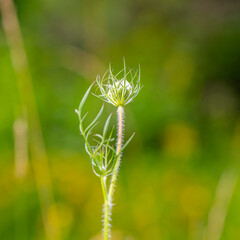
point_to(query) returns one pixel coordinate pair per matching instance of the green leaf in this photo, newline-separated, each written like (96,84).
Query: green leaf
(90,130)
(127,142)
(109,140)
(99,136)
(123,147)
(88,150)
(84,99)
(106,126)
(84,116)
(113,162)
(111,148)
(97,141)
(96,118)
(81,129)
(97,172)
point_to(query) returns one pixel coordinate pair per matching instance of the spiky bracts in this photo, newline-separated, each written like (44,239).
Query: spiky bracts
(116,90)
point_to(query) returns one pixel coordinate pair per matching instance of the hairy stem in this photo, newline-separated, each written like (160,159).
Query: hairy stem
(106,209)
(120,112)
(108,201)
(106,227)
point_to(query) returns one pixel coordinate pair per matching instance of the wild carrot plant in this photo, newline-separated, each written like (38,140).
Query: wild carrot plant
(104,154)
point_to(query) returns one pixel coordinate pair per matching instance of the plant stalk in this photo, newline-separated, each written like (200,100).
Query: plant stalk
(120,112)
(108,198)
(106,209)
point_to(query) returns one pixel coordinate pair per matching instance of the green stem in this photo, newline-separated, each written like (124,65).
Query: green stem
(109,197)
(106,209)
(119,146)
(106,227)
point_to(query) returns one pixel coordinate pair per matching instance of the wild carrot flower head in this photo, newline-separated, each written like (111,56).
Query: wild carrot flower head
(116,90)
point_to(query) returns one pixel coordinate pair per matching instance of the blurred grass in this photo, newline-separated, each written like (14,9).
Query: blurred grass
(186,117)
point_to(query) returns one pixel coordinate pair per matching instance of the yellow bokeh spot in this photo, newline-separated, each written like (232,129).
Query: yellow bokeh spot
(180,140)
(195,201)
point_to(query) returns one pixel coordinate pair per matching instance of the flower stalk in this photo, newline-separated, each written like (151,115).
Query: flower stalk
(120,112)
(106,211)
(108,201)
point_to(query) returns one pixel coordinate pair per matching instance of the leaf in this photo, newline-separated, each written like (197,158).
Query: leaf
(106,126)
(89,151)
(84,116)
(113,162)
(84,99)
(111,158)
(96,118)
(97,141)
(123,147)
(127,142)
(99,136)
(98,172)
(111,148)
(81,129)
(109,140)
(89,130)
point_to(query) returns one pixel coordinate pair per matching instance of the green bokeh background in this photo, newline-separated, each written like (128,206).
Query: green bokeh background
(186,117)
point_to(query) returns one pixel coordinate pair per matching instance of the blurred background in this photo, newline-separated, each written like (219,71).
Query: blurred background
(179,177)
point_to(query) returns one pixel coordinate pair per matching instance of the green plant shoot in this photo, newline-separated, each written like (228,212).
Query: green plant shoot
(105,154)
